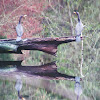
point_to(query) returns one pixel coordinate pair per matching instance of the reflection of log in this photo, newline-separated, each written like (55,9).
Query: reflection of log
(17,63)
(48,45)
(48,71)
(40,82)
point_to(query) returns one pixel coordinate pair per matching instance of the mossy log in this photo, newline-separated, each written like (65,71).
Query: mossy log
(48,45)
(47,71)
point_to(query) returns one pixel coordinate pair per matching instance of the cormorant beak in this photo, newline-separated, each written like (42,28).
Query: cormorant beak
(24,16)
(23,98)
(74,12)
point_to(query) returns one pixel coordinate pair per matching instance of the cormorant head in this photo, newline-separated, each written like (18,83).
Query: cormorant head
(76,12)
(23,98)
(23,16)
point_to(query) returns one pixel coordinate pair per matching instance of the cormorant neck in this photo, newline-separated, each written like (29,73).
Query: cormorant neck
(20,19)
(18,94)
(20,97)
(78,17)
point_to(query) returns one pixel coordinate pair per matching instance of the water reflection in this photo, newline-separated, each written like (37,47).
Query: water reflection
(48,71)
(18,86)
(13,70)
(78,88)
(37,76)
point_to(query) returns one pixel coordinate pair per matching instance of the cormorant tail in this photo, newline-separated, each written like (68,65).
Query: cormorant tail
(18,38)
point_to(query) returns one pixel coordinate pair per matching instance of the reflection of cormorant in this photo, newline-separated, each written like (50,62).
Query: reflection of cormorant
(19,29)
(18,87)
(20,97)
(78,88)
(79,27)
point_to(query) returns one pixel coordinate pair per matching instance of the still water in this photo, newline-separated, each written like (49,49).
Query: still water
(39,76)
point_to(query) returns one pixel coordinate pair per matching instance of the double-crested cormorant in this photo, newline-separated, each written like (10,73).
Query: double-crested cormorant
(78,88)
(79,27)
(18,87)
(19,29)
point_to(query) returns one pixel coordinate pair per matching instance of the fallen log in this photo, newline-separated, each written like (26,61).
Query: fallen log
(48,45)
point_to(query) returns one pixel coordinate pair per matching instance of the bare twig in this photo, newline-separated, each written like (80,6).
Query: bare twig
(81,59)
